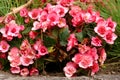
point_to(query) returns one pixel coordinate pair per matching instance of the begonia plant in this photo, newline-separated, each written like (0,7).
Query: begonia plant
(59,33)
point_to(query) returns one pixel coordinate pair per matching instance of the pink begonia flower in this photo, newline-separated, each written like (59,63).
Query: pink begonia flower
(13,54)
(65,2)
(72,42)
(96,41)
(24,72)
(37,44)
(111,25)
(102,55)
(83,48)
(110,37)
(15,70)
(27,20)
(26,61)
(42,50)
(9,18)
(36,25)
(43,16)
(62,23)
(33,34)
(70,69)
(35,13)
(75,10)
(60,10)
(34,72)
(53,18)
(83,60)
(93,53)
(15,62)
(87,17)
(4,46)
(94,68)
(11,30)
(24,12)
(101,29)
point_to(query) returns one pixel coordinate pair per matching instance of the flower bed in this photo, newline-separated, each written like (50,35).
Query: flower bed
(61,33)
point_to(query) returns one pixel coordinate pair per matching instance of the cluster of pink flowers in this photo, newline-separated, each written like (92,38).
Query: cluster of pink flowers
(25,56)
(64,14)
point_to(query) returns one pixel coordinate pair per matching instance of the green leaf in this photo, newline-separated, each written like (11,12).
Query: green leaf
(64,34)
(48,41)
(79,36)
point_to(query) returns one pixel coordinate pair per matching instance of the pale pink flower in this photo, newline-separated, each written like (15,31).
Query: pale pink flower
(96,41)
(34,14)
(110,37)
(27,20)
(34,72)
(15,62)
(111,25)
(94,68)
(102,55)
(24,72)
(88,17)
(15,70)
(72,42)
(70,69)
(42,50)
(60,10)
(4,46)
(24,12)
(100,29)
(83,60)
(36,25)
(62,23)
(25,61)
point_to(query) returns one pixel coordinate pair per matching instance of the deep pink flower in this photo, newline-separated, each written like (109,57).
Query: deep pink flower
(83,60)
(93,53)
(15,70)
(70,69)
(24,72)
(94,68)
(102,55)
(34,72)
(110,37)
(4,46)
(96,41)
(111,24)
(24,12)
(3,55)
(72,42)
(65,2)
(34,14)
(42,50)
(37,44)
(32,34)
(53,18)
(101,29)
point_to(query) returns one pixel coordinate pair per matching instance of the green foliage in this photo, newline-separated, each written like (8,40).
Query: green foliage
(64,34)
